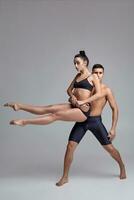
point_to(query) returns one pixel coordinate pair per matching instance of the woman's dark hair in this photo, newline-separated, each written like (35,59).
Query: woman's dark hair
(83,56)
(96,66)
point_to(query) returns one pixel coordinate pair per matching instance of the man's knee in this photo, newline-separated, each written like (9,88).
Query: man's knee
(71,146)
(110,148)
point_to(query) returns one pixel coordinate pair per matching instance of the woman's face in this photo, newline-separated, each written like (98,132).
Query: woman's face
(79,64)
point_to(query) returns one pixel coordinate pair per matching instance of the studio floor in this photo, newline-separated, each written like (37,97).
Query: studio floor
(97,179)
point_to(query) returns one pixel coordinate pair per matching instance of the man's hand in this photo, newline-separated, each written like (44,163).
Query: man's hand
(73,100)
(80,103)
(111,134)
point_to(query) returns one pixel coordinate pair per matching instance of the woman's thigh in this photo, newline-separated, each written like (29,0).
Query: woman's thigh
(72,114)
(58,107)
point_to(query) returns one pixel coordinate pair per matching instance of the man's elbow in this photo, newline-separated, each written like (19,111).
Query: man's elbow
(115,110)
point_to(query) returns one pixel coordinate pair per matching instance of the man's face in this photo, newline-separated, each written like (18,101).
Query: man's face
(99,72)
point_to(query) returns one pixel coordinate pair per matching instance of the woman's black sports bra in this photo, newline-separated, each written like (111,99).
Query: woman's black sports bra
(83,84)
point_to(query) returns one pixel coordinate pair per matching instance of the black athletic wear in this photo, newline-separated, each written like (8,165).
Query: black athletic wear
(85,113)
(95,125)
(83,84)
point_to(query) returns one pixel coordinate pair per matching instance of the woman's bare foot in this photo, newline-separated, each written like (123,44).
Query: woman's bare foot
(18,122)
(62,181)
(15,106)
(123,173)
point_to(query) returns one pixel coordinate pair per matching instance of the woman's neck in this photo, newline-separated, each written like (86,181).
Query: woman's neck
(85,72)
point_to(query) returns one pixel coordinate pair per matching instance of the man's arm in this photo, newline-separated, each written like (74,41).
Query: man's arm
(112,102)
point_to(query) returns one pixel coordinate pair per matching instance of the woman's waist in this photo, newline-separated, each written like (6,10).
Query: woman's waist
(85,107)
(81,97)
(80,94)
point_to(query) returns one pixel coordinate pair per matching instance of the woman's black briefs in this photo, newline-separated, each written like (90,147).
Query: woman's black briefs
(95,125)
(86,113)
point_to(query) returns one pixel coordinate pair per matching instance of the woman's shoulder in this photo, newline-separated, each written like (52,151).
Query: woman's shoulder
(77,75)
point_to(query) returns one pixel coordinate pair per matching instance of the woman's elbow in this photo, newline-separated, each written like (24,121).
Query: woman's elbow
(69,91)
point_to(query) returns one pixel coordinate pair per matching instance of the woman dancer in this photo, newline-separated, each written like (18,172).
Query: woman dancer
(78,107)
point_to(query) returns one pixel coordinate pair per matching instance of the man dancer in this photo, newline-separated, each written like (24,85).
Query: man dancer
(95,125)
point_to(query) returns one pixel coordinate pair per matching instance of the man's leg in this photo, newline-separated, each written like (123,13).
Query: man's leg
(100,132)
(67,162)
(78,131)
(116,156)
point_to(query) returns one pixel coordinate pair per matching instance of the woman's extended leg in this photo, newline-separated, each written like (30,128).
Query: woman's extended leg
(72,114)
(38,110)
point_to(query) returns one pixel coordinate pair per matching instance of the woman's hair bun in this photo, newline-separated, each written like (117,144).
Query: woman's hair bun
(82,53)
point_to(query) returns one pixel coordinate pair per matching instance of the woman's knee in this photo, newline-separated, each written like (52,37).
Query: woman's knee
(58,115)
(49,107)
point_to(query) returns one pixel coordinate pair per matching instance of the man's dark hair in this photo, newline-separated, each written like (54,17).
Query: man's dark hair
(96,66)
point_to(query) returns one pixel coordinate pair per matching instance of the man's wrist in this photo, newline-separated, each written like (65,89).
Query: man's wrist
(113,130)
(84,101)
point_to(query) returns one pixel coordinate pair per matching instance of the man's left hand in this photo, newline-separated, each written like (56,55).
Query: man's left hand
(111,134)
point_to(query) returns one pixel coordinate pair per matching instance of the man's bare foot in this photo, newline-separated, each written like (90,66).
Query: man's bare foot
(18,122)
(123,173)
(15,106)
(62,181)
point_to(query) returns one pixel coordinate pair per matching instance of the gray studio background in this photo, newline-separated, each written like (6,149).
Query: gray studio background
(38,40)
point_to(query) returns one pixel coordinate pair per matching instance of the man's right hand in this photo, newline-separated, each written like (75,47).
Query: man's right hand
(72,100)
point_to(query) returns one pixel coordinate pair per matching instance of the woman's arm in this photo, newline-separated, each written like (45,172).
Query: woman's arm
(71,86)
(97,94)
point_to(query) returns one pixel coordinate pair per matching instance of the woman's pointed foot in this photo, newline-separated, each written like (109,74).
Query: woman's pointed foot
(62,181)
(18,122)
(15,106)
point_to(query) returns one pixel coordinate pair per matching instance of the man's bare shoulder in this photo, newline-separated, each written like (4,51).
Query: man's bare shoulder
(106,89)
